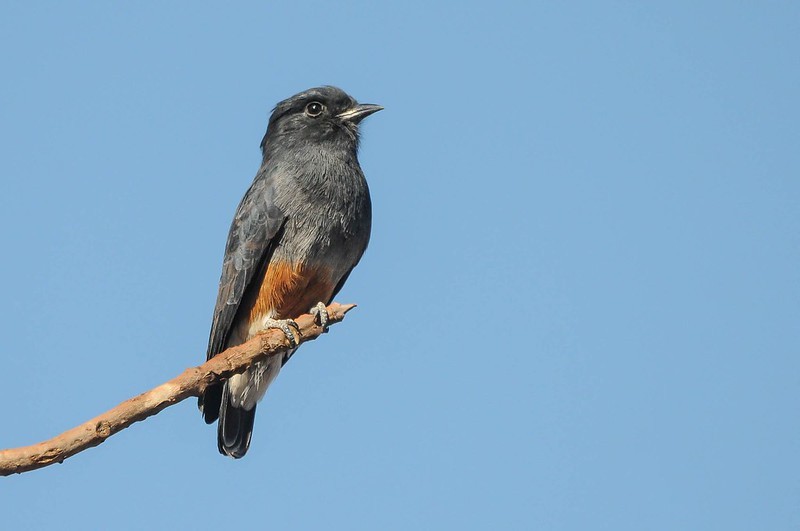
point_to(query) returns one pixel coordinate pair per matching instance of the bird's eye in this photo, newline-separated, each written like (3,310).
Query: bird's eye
(314,109)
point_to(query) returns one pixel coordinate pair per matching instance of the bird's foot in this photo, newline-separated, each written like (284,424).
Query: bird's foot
(320,312)
(283,325)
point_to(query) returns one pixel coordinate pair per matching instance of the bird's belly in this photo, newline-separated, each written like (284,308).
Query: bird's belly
(289,289)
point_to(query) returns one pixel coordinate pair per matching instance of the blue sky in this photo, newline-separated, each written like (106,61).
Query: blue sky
(580,304)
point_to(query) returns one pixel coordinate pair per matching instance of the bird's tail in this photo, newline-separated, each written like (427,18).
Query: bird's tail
(235,427)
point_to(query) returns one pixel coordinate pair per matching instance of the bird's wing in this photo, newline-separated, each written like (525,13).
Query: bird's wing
(253,232)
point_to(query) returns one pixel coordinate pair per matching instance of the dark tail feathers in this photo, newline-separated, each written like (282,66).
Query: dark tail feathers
(235,428)
(209,402)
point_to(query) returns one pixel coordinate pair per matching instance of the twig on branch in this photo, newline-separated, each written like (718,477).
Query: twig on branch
(192,382)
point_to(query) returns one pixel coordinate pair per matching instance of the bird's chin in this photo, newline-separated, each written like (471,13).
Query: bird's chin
(350,128)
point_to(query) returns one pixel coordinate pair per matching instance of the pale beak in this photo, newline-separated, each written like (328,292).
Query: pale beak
(359,112)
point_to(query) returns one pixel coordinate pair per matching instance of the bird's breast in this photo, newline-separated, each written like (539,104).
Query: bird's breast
(289,289)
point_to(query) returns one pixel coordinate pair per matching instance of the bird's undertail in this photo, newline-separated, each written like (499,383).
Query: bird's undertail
(235,427)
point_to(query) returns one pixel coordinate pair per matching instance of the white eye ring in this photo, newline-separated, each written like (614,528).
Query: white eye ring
(314,109)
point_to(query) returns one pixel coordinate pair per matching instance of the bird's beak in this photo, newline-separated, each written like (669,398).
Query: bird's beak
(359,112)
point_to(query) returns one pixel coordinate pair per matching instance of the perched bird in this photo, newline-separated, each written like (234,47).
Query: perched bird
(299,231)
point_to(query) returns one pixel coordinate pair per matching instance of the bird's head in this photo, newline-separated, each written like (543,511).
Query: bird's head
(318,115)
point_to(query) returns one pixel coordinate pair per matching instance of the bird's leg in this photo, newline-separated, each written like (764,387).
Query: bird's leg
(283,325)
(321,313)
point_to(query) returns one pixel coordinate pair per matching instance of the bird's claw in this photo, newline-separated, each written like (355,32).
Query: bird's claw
(320,312)
(283,325)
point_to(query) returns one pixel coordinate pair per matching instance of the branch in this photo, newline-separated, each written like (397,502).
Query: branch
(192,382)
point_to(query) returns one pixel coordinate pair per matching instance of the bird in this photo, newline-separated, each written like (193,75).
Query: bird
(298,232)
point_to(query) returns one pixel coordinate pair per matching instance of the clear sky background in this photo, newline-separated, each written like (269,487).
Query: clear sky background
(580,305)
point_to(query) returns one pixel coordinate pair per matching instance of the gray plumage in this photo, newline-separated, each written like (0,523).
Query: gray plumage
(309,207)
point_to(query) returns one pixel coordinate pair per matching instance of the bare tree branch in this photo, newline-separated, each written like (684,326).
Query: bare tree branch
(192,382)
